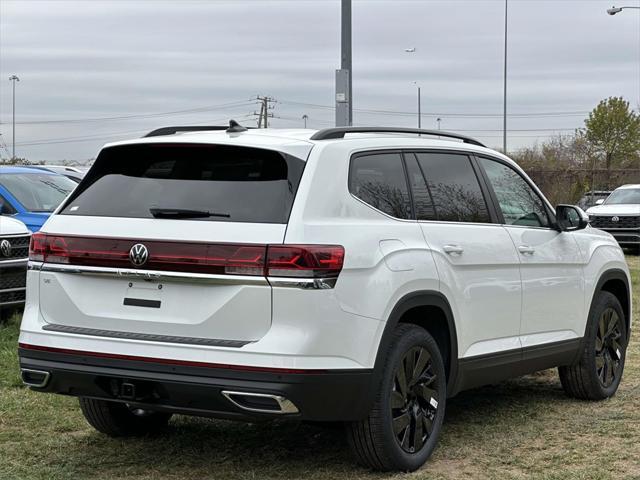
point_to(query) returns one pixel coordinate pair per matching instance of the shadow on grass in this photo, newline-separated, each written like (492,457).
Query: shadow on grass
(192,447)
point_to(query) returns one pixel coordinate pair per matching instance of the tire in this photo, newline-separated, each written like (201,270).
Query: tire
(598,372)
(118,420)
(382,441)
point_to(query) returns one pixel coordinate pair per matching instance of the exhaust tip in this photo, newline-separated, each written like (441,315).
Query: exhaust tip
(261,402)
(35,378)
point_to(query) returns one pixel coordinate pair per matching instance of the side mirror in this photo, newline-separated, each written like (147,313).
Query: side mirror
(600,201)
(570,218)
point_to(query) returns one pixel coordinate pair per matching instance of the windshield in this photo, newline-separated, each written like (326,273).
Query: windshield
(624,195)
(199,182)
(37,192)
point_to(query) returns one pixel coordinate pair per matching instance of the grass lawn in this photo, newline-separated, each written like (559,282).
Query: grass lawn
(521,428)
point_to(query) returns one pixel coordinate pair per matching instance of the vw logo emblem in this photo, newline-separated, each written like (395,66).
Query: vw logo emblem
(615,219)
(139,254)
(5,248)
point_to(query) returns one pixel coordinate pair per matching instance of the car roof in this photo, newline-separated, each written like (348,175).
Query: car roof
(631,185)
(12,169)
(298,141)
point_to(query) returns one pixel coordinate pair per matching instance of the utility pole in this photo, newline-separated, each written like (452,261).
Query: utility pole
(265,106)
(13,79)
(419,110)
(344,92)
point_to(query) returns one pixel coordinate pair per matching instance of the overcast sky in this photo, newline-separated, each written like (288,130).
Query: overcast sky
(82,61)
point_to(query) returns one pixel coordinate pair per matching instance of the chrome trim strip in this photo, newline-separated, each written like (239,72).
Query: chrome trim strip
(15,235)
(147,337)
(16,302)
(17,289)
(303,283)
(286,405)
(31,265)
(42,384)
(161,276)
(18,262)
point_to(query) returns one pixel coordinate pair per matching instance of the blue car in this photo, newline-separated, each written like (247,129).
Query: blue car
(30,195)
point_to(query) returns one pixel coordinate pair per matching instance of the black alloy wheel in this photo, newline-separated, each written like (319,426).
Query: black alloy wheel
(414,400)
(608,348)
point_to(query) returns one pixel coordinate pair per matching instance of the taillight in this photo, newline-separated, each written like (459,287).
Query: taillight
(308,261)
(305,261)
(37,247)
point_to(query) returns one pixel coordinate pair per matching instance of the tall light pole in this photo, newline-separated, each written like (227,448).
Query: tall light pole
(504,95)
(614,10)
(13,79)
(305,117)
(438,120)
(344,93)
(413,50)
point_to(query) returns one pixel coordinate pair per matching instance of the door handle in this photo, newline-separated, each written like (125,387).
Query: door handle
(526,250)
(453,249)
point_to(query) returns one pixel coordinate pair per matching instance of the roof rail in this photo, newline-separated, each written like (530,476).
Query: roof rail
(339,132)
(234,127)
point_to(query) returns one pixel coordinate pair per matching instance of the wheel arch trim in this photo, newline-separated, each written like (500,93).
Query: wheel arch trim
(421,298)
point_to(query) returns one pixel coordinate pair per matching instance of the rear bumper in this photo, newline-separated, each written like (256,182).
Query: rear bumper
(331,395)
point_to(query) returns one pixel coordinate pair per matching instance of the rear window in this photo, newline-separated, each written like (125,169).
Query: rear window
(233,184)
(37,192)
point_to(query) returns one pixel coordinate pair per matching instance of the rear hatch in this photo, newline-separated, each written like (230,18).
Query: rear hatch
(166,242)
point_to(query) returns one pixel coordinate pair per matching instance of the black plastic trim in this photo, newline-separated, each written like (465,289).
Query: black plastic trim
(495,367)
(421,298)
(141,302)
(334,395)
(339,132)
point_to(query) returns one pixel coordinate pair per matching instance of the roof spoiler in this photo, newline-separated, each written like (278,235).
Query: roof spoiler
(234,127)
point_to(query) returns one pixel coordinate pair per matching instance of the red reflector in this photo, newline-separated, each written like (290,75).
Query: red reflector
(168,361)
(313,261)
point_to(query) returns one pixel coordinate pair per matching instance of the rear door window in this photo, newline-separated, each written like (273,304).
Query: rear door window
(232,184)
(379,180)
(453,187)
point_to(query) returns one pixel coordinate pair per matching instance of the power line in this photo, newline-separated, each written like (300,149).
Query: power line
(108,136)
(139,116)
(441,114)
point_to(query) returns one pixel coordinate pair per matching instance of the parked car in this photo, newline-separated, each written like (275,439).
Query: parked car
(591,198)
(30,195)
(619,215)
(355,275)
(73,173)
(14,249)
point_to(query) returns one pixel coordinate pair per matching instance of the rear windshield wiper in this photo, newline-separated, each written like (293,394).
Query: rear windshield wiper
(184,213)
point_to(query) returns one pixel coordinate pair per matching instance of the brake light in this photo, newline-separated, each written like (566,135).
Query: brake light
(305,261)
(310,261)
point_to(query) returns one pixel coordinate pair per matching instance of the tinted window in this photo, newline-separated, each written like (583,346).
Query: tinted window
(520,205)
(422,200)
(37,192)
(379,180)
(454,188)
(237,183)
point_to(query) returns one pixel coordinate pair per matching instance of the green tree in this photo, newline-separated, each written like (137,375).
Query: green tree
(612,131)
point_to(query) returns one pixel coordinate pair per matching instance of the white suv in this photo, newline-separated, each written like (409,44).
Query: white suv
(357,275)
(619,214)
